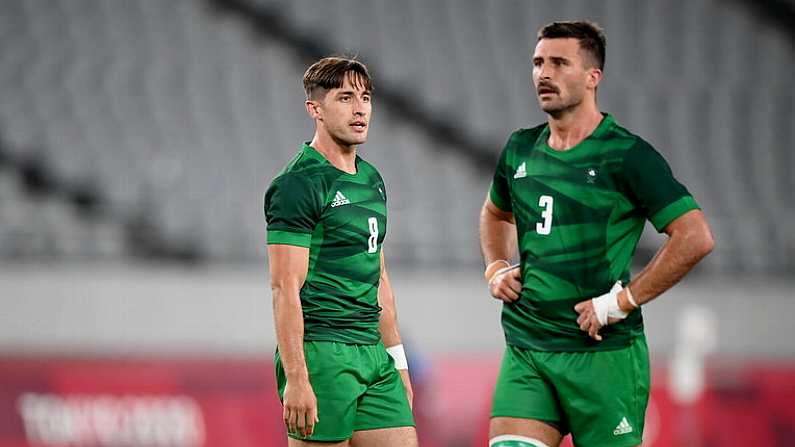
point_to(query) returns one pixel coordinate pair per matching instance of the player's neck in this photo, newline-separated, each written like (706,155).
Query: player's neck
(340,156)
(571,127)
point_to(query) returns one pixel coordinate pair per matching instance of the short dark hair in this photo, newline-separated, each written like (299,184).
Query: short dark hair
(329,73)
(589,34)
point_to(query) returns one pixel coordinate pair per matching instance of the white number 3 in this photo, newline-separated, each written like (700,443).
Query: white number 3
(372,242)
(546,226)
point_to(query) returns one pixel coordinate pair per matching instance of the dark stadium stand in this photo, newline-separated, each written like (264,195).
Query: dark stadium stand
(180,113)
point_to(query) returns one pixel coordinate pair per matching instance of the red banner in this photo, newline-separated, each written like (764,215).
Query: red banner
(178,402)
(141,402)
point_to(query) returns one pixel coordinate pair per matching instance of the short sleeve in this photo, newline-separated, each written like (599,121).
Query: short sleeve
(292,210)
(499,192)
(653,188)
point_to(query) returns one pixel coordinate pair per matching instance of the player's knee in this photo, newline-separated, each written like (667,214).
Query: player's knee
(515,441)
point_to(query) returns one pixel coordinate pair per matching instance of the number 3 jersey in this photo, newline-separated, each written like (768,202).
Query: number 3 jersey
(341,218)
(579,215)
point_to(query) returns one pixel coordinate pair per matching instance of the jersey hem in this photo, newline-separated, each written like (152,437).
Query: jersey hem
(665,216)
(289,238)
(342,340)
(601,347)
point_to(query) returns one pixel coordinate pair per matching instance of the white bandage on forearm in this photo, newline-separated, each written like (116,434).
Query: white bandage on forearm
(399,355)
(606,306)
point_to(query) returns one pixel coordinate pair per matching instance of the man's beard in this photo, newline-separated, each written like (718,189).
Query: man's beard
(560,109)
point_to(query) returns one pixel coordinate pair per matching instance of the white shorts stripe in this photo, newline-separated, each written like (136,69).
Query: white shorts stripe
(529,441)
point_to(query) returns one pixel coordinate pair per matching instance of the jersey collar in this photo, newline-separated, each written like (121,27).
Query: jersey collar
(604,127)
(313,153)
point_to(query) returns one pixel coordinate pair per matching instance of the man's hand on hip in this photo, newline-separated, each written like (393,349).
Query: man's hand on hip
(506,283)
(601,311)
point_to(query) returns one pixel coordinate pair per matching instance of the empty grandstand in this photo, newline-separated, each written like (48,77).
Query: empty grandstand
(176,114)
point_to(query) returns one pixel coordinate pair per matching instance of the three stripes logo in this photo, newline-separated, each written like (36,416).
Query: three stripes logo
(623,427)
(521,171)
(339,199)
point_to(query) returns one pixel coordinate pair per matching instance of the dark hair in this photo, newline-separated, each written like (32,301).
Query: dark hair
(329,73)
(589,34)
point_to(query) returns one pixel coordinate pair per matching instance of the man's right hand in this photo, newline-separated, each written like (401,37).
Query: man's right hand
(506,284)
(300,407)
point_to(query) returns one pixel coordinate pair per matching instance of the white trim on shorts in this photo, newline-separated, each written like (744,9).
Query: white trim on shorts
(525,439)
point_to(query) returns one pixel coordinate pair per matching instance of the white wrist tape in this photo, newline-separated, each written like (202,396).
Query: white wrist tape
(493,268)
(606,306)
(502,271)
(399,355)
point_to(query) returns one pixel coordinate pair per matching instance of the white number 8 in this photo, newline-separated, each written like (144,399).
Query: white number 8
(546,226)
(372,242)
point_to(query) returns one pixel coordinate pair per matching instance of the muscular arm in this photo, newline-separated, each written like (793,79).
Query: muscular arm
(690,240)
(498,243)
(388,325)
(288,268)
(497,233)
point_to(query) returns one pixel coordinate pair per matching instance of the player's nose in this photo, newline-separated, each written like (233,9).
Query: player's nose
(544,72)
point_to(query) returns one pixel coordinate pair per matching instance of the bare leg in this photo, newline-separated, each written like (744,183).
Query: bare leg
(529,428)
(386,437)
(298,443)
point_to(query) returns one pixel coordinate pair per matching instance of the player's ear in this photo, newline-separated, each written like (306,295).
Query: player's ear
(312,108)
(594,77)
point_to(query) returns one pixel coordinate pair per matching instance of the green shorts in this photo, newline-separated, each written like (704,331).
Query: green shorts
(600,397)
(357,388)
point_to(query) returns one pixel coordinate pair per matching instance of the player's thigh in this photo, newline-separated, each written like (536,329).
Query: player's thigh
(299,443)
(507,431)
(522,392)
(384,403)
(604,395)
(385,437)
(334,375)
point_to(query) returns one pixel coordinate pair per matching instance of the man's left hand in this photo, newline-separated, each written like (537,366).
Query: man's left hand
(589,320)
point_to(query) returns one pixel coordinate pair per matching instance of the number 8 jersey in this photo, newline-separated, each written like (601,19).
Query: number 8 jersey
(579,215)
(341,218)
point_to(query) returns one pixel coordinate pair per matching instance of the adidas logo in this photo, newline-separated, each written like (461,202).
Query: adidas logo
(339,199)
(521,171)
(623,428)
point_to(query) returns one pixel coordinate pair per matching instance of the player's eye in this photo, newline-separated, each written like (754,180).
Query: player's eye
(366,98)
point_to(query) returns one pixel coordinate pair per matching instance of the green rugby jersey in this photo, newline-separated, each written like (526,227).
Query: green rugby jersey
(579,215)
(341,218)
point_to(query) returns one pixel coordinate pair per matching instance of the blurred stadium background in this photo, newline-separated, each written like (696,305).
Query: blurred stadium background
(137,138)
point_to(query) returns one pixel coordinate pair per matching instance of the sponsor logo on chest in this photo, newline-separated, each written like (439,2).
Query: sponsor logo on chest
(339,200)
